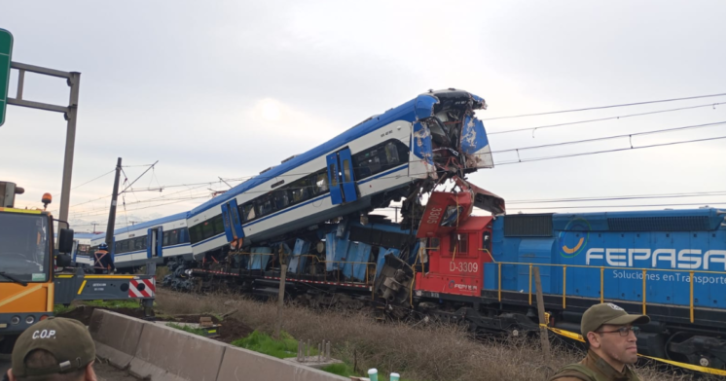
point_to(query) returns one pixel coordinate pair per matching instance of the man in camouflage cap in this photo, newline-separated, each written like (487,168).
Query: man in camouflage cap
(55,349)
(608,330)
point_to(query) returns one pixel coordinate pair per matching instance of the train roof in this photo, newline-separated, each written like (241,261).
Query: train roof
(147,224)
(417,108)
(647,220)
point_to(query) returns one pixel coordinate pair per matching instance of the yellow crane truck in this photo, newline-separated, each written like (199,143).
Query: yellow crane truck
(32,279)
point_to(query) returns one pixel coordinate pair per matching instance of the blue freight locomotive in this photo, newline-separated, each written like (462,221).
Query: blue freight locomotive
(669,264)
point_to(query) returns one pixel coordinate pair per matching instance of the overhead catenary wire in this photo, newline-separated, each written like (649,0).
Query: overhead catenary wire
(603,107)
(618,198)
(610,150)
(533,129)
(653,132)
(620,206)
(94,179)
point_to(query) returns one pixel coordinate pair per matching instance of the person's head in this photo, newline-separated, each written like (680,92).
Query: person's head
(55,349)
(610,333)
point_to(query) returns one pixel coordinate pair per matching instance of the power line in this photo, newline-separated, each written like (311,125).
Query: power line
(533,129)
(619,206)
(610,150)
(664,130)
(603,107)
(618,198)
(90,181)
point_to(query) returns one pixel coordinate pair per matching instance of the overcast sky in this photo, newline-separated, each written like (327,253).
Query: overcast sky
(228,88)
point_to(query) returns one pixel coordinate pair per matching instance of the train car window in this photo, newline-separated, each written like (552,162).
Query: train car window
(379,158)
(195,233)
(165,239)
(140,243)
(282,199)
(184,235)
(346,170)
(392,153)
(207,229)
(265,205)
(218,224)
(248,211)
(124,246)
(321,184)
(174,237)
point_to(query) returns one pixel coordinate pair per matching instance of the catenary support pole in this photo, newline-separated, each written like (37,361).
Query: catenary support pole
(543,334)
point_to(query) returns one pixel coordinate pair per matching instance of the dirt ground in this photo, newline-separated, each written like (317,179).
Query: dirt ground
(231,328)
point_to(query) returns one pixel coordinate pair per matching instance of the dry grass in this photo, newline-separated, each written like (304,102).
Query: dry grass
(429,353)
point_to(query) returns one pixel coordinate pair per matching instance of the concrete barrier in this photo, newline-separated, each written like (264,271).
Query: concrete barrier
(116,336)
(240,364)
(159,353)
(170,354)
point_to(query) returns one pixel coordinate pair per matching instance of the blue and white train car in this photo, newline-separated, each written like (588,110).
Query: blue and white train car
(357,171)
(134,245)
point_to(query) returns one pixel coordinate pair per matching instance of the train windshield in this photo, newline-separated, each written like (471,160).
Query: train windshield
(24,247)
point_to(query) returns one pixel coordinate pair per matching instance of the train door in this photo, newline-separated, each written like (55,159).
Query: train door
(336,195)
(232,222)
(348,176)
(154,239)
(341,177)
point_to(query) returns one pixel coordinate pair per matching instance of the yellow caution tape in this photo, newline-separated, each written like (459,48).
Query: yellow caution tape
(698,368)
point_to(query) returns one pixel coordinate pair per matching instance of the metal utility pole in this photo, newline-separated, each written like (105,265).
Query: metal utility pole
(543,334)
(73,79)
(112,213)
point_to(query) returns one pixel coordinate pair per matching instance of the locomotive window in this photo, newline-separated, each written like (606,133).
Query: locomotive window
(462,239)
(346,170)
(379,158)
(434,244)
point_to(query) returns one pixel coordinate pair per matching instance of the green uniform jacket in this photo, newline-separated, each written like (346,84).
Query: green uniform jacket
(594,368)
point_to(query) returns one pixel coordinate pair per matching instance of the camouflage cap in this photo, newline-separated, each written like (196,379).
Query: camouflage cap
(67,340)
(608,313)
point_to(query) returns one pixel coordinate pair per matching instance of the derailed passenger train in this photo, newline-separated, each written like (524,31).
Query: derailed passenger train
(398,154)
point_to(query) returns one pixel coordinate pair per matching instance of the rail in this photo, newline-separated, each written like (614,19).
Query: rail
(602,280)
